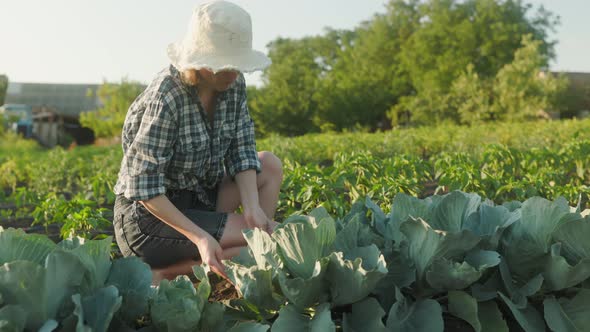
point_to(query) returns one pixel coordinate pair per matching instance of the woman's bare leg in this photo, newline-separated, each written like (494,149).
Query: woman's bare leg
(232,241)
(186,267)
(172,271)
(232,234)
(269,185)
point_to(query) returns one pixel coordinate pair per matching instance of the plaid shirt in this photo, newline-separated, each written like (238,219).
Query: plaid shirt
(168,143)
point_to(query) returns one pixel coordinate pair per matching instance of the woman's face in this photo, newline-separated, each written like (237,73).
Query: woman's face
(219,81)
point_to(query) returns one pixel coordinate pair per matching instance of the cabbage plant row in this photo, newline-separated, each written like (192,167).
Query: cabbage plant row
(71,191)
(426,262)
(75,286)
(490,265)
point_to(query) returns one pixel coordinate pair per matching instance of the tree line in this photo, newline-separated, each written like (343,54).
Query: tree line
(424,62)
(420,62)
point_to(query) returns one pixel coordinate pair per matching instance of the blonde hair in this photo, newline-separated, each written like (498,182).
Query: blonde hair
(189,77)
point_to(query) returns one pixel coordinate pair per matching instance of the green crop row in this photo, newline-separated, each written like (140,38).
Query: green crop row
(332,170)
(23,160)
(427,265)
(426,142)
(499,173)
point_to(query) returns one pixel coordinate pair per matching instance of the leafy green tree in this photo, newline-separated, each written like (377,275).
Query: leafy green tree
(256,111)
(455,34)
(3,88)
(340,80)
(521,89)
(286,104)
(107,121)
(407,65)
(366,77)
(472,98)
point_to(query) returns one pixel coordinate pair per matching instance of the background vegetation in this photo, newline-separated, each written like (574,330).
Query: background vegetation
(73,189)
(3,87)
(107,121)
(458,82)
(418,63)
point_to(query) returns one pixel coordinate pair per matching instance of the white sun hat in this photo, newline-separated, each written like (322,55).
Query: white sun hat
(219,37)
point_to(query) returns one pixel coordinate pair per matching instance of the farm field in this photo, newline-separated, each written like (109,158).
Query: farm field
(472,227)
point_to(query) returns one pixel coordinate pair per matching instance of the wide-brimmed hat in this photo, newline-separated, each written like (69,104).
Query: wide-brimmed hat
(219,37)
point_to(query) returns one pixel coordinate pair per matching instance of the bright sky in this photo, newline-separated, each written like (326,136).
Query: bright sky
(80,41)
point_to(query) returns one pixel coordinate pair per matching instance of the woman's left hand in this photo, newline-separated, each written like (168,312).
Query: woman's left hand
(255,217)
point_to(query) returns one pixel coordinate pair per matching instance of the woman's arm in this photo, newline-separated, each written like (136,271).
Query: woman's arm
(209,249)
(253,213)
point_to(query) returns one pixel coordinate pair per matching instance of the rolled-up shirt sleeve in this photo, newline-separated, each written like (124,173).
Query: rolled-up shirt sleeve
(150,152)
(242,153)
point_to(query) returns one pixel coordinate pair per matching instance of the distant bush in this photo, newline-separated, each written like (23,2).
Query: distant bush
(108,121)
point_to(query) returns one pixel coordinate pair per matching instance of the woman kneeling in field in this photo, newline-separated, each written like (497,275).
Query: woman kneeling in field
(190,156)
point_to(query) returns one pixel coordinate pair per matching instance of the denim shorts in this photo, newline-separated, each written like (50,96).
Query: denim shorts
(139,233)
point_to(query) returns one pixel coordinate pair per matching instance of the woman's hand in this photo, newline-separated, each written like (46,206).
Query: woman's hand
(255,217)
(211,253)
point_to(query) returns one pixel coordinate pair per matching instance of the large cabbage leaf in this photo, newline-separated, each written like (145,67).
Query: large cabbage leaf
(303,243)
(256,286)
(573,234)
(302,292)
(41,290)
(519,292)
(490,317)
(490,221)
(253,272)
(132,277)
(292,320)
(451,213)
(568,314)
(424,315)
(528,317)
(95,256)
(452,275)
(353,234)
(403,207)
(526,243)
(263,249)
(482,316)
(96,311)
(378,217)
(401,273)
(354,276)
(176,306)
(366,315)
(464,306)
(12,318)
(212,316)
(431,249)
(15,244)
(559,274)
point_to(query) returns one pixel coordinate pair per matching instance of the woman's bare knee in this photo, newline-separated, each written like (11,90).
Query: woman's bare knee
(271,164)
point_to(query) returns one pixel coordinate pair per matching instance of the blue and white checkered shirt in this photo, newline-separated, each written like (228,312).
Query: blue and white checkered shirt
(168,143)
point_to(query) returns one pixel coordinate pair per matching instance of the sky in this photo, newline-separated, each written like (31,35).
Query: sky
(80,41)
